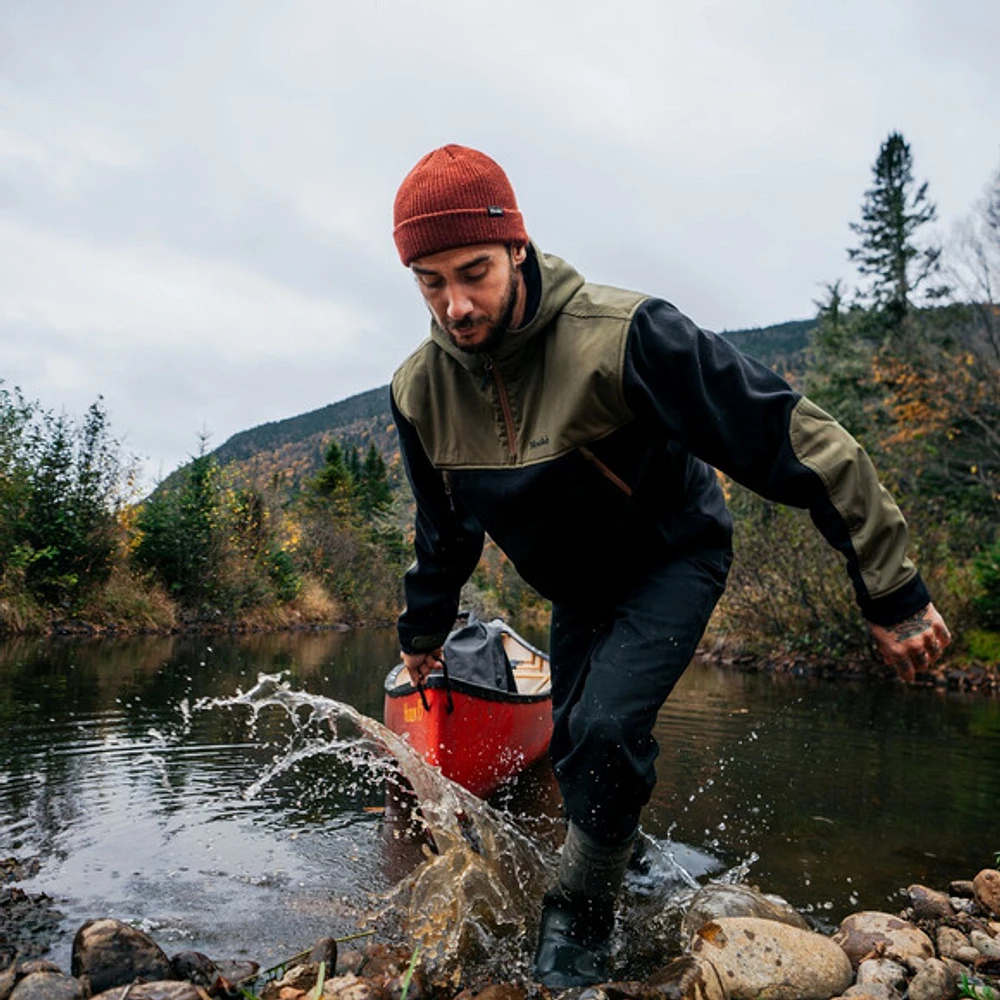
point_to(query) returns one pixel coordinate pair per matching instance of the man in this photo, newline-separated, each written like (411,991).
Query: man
(579,425)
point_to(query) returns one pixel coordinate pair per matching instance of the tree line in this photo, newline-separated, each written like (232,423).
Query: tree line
(209,546)
(908,359)
(907,356)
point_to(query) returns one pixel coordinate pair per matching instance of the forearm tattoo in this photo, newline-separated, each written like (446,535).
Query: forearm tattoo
(909,627)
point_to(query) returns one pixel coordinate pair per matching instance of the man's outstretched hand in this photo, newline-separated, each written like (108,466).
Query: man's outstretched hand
(913,644)
(419,665)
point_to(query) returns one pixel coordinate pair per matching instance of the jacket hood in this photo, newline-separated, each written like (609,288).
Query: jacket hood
(559,283)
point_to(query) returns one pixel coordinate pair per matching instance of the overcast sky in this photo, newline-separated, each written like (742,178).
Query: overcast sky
(196,195)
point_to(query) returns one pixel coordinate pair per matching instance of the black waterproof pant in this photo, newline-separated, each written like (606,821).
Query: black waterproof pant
(612,669)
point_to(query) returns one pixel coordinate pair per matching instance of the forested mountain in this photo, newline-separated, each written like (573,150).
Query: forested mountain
(286,452)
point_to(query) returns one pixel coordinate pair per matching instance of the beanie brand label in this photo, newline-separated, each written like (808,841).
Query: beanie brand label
(494,210)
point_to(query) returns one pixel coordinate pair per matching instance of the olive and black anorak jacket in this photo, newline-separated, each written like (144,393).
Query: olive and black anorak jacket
(586,446)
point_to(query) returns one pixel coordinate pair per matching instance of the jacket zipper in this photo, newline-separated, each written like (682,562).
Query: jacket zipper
(508,417)
(606,472)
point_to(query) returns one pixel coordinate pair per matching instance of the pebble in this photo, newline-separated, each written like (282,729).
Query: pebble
(929,904)
(167,989)
(743,945)
(48,986)
(950,941)
(883,971)
(688,977)
(986,886)
(718,899)
(934,981)
(873,932)
(984,944)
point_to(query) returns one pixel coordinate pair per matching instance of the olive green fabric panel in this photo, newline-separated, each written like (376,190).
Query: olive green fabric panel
(563,385)
(453,417)
(876,526)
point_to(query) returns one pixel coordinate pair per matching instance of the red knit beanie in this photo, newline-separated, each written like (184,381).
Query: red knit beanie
(454,197)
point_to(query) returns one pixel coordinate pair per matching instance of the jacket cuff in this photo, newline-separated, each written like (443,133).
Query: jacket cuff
(891,609)
(410,641)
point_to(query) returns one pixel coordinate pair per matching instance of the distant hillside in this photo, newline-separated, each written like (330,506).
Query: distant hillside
(284,453)
(359,409)
(781,347)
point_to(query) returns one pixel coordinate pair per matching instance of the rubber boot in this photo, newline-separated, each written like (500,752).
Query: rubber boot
(578,915)
(574,939)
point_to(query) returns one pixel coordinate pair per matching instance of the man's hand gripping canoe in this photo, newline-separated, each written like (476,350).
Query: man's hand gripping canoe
(420,665)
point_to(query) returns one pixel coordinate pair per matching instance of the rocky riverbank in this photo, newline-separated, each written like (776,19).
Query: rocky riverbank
(951,675)
(738,944)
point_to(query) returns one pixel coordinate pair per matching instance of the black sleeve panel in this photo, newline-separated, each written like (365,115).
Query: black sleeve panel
(737,415)
(448,544)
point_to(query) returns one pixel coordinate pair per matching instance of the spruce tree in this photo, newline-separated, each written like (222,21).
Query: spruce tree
(334,477)
(375,493)
(892,215)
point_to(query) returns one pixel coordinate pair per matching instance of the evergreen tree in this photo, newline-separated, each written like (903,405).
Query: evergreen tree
(333,478)
(180,539)
(354,465)
(839,363)
(15,476)
(892,215)
(74,495)
(375,495)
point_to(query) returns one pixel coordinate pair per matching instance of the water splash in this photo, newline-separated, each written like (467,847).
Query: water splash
(476,894)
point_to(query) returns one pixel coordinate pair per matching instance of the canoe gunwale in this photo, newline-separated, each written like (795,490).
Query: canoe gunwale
(436,682)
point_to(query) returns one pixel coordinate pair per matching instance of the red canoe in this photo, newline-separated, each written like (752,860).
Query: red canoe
(486,735)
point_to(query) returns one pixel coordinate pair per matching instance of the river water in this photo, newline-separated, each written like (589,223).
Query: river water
(143,802)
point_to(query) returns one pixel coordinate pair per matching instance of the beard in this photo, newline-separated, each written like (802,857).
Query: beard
(496,329)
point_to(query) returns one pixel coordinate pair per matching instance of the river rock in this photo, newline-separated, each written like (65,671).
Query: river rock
(501,991)
(350,987)
(688,978)
(37,965)
(7,980)
(984,944)
(929,904)
(934,981)
(164,989)
(325,950)
(349,960)
(298,978)
(884,971)
(950,941)
(872,932)
(237,970)
(986,886)
(870,991)
(48,986)
(754,956)
(961,887)
(383,960)
(194,967)
(717,900)
(108,953)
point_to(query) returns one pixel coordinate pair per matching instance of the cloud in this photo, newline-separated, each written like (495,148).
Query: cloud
(195,199)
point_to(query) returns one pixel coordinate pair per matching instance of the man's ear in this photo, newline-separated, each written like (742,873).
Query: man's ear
(518,253)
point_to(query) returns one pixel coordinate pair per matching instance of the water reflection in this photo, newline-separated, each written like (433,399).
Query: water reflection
(136,803)
(847,792)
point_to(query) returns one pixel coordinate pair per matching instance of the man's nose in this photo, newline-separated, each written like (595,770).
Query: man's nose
(459,303)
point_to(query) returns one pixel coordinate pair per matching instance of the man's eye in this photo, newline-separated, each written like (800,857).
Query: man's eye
(431,283)
(476,275)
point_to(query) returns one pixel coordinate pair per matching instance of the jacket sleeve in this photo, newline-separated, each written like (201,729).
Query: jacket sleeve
(448,544)
(740,417)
